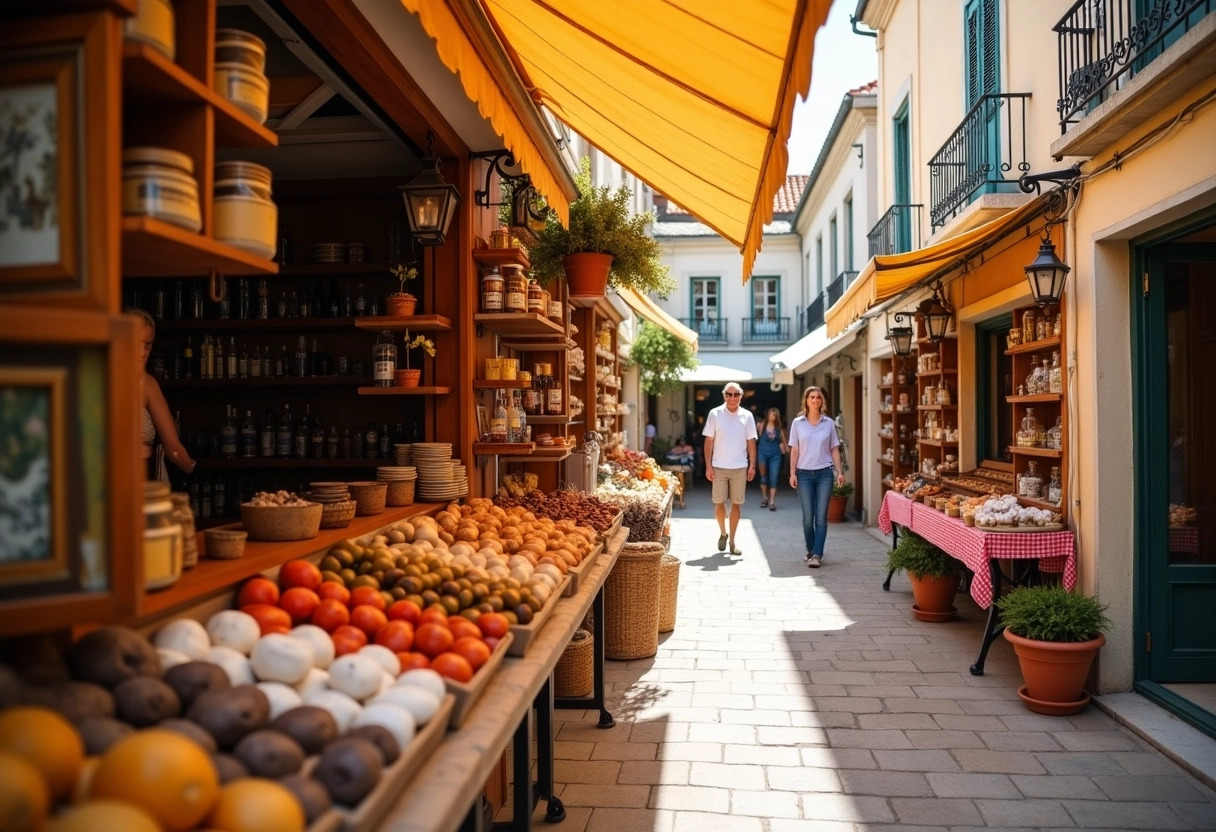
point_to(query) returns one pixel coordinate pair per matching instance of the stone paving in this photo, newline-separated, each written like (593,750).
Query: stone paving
(798,700)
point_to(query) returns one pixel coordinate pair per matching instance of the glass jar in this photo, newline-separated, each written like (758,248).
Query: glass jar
(1041,329)
(492,290)
(1029,319)
(516,297)
(244,214)
(1055,375)
(604,337)
(1031,484)
(536,299)
(1028,433)
(557,311)
(384,359)
(1055,435)
(162,538)
(1015,336)
(1032,378)
(185,518)
(1055,326)
(1055,489)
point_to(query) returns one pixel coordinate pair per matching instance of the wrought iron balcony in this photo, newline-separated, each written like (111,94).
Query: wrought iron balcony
(1101,44)
(836,287)
(988,150)
(766,330)
(814,314)
(896,231)
(709,330)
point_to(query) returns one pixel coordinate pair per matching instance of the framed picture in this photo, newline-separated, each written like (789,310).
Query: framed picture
(483,422)
(58,227)
(71,483)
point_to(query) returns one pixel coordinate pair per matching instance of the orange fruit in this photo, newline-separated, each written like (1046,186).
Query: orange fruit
(163,772)
(104,816)
(474,650)
(24,797)
(253,804)
(452,665)
(80,792)
(47,740)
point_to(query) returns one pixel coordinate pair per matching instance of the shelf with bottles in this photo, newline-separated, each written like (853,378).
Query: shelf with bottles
(335,269)
(501,384)
(1038,398)
(937,408)
(503,448)
(1038,330)
(1039,483)
(548,419)
(168,326)
(1019,450)
(403,391)
(519,324)
(262,381)
(511,256)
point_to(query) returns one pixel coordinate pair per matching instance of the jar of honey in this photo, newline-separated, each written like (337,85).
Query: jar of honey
(493,289)
(536,299)
(516,295)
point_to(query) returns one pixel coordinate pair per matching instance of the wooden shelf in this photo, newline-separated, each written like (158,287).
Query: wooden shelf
(937,373)
(502,257)
(150,78)
(1038,398)
(519,324)
(936,407)
(600,352)
(559,419)
(335,269)
(936,443)
(547,455)
(1032,502)
(293,325)
(576,379)
(262,381)
(537,346)
(404,391)
(400,323)
(1050,453)
(213,577)
(887,462)
(268,462)
(607,386)
(153,248)
(1046,345)
(501,384)
(504,448)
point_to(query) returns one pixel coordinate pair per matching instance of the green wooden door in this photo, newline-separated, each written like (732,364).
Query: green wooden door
(1176,448)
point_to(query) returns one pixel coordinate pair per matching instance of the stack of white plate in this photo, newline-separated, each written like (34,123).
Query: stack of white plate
(433,461)
(329,253)
(402,451)
(460,475)
(393,473)
(328,492)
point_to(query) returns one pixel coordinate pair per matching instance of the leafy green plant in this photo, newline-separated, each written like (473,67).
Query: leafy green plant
(1052,613)
(418,342)
(601,223)
(920,558)
(842,490)
(661,357)
(403,273)
(659,448)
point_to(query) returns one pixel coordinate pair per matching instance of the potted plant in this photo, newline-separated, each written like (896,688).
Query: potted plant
(839,501)
(934,576)
(603,244)
(401,302)
(1056,635)
(409,377)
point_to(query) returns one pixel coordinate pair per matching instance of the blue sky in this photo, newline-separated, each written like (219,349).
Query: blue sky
(842,61)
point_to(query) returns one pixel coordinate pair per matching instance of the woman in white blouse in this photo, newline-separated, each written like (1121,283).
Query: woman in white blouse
(814,465)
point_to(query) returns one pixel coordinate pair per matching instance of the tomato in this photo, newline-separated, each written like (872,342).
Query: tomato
(258,591)
(334,590)
(491,642)
(299,573)
(412,661)
(366,596)
(452,666)
(300,603)
(368,619)
(462,627)
(433,615)
(397,636)
(404,611)
(350,633)
(493,624)
(473,649)
(330,614)
(276,628)
(268,615)
(346,644)
(432,639)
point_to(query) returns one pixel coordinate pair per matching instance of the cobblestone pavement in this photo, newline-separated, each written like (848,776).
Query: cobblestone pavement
(792,700)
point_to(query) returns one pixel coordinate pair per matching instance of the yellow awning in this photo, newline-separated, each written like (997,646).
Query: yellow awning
(885,276)
(650,311)
(695,97)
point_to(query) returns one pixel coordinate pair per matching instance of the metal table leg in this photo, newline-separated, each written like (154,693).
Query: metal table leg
(554,811)
(596,700)
(993,629)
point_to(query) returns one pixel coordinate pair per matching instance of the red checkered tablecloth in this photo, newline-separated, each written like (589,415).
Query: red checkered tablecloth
(975,547)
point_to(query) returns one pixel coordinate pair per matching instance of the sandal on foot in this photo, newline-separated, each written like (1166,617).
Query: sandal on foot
(721,543)
(764,503)
(735,550)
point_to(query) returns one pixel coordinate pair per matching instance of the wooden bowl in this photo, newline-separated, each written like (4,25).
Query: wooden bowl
(369,497)
(224,544)
(281,522)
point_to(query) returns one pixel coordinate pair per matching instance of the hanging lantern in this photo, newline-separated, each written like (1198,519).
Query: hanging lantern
(430,204)
(936,314)
(1047,274)
(901,336)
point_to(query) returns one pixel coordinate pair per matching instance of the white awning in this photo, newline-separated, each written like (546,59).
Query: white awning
(740,367)
(814,349)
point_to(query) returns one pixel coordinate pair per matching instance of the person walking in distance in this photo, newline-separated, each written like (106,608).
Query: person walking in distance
(771,448)
(730,460)
(814,465)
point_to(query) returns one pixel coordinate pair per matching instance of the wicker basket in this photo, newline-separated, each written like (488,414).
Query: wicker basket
(400,493)
(631,603)
(575,669)
(369,497)
(225,544)
(338,515)
(669,588)
(281,522)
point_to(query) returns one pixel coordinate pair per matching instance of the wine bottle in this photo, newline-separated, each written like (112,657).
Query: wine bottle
(249,436)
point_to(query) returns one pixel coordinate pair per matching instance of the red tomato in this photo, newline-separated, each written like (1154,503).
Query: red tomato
(397,636)
(404,611)
(493,624)
(433,615)
(432,639)
(334,590)
(258,591)
(368,619)
(276,628)
(461,627)
(474,650)
(366,596)
(453,666)
(299,573)
(492,642)
(330,614)
(300,603)
(268,615)
(346,644)
(348,632)
(411,661)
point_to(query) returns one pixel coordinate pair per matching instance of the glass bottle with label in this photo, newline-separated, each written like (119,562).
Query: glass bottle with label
(492,289)
(371,441)
(1029,326)
(384,359)
(516,289)
(514,425)
(249,436)
(553,397)
(282,437)
(228,434)
(1031,484)
(1055,435)
(1055,489)
(1055,375)
(266,437)
(536,299)
(498,421)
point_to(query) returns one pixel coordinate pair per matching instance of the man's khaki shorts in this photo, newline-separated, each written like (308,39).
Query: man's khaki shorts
(730,482)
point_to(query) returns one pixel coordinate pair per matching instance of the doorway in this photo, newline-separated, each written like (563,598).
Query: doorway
(1175,347)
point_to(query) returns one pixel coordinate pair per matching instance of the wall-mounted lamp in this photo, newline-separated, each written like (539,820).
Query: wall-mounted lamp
(430,203)
(936,313)
(901,336)
(1047,273)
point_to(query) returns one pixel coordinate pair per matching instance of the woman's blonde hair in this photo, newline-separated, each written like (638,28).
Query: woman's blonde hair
(806,411)
(147,319)
(771,411)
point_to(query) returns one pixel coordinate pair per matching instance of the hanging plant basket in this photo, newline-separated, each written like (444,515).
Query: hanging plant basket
(407,378)
(587,274)
(401,304)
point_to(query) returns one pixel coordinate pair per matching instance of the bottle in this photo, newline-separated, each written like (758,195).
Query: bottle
(1031,484)
(282,442)
(1029,330)
(248,436)
(332,443)
(515,297)
(1055,376)
(348,306)
(281,309)
(158,302)
(384,359)
(219,499)
(554,397)
(371,441)
(356,444)
(360,303)
(1055,435)
(1055,489)
(384,441)
(314,359)
(196,504)
(492,288)
(205,513)
(514,433)
(316,442)
(255,363)
(179,301)
(188,359)
(498,422)
(196,300)
(267,364)
(335,300)
(280,367)
(301,437)
(242,298)
(225,304)
(233,359)
(305,308)
(347,449)
(301,362)
(228,434)
(242,363)
(263,300)
(532,397)
(1032,378)
(266,437)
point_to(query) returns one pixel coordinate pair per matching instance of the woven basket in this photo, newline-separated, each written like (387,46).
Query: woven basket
(368,496)
(631,603)
(338,515)
(669,588)
(575,669)
(400,493)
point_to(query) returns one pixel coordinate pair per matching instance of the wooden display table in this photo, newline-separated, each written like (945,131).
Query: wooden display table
(981,551)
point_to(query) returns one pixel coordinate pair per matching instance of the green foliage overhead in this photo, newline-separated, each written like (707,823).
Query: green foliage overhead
(661,357)
(920,558)
(601,223)
(1052,613)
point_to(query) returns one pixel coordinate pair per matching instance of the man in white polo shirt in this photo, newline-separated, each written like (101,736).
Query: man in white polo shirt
(730,460)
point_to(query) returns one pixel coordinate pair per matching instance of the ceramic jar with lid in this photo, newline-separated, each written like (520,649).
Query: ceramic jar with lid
(233,46)
(158,182)
(245,215)
(162,538)
(240,60)
(152,24)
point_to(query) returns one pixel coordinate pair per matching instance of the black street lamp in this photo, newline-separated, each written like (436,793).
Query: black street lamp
(901,336)
(936,313)
(1047,274)
(430,203)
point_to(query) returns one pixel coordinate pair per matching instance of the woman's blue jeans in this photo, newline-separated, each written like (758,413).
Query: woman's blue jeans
(772,469)
(814,491)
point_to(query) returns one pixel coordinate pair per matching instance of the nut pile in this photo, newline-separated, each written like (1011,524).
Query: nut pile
(277,499)
(563,504)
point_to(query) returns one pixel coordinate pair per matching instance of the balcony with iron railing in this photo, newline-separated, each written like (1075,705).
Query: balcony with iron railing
(836,288)
(814,314)
(1102,46)
(987,151)
(709,330)
(896,231)
(766,330)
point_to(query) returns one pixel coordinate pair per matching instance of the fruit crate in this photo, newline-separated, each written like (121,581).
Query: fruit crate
(575,573)
(524,633)
(467,693)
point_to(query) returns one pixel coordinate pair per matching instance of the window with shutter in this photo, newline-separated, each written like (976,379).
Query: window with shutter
(983,73)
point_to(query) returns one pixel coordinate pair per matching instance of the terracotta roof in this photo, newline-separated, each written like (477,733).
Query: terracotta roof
(784,201)
(865,89)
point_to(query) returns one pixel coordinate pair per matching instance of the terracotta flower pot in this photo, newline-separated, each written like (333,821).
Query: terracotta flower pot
(401,304)
(1054,672)
(407,378)
(934,597)
(836,508)
(587,274)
